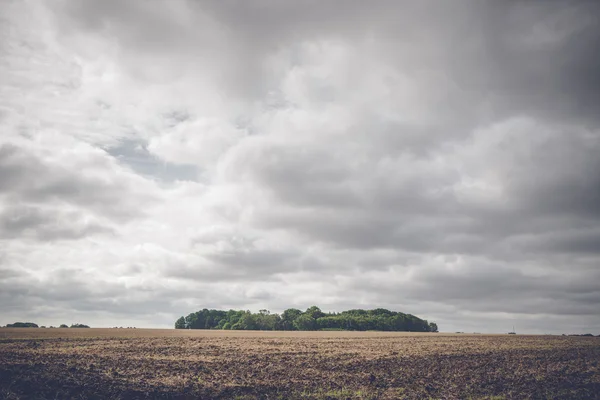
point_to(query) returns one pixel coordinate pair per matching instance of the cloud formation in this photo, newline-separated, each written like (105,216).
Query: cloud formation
(439,159)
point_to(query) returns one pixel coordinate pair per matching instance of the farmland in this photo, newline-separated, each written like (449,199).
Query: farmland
(188,364)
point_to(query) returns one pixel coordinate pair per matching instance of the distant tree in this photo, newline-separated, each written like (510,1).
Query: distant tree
(382,311)
(191,321)
(312,319)
(247,322)
(305,323)
(79,326)
(265,321)
(314,312)
(288,317)
(22,325)
(180,323)
(63,326)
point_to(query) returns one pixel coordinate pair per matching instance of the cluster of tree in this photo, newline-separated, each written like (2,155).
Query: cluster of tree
(583,334)
(313,319)
(33,325)
(22,325)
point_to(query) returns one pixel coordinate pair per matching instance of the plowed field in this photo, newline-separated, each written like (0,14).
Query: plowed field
(169,364)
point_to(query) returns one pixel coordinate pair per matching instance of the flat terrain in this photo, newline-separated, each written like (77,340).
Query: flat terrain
(170,364)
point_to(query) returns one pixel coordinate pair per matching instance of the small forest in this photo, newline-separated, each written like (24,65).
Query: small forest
(313,319)
(34,325)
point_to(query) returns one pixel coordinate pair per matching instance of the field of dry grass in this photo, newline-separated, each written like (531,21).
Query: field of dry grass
(24,333)
(183,364)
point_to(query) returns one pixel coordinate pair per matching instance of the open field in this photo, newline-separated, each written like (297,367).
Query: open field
(182,364)
(33,333)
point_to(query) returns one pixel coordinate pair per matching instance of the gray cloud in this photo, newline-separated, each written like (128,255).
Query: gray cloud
(27,178)
(136,156)
(440,159)
(46,224)
(507,57)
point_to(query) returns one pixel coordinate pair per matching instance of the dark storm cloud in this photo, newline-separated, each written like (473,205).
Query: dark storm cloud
(531,57)
(539,59)
(545,59)
(584,241)
(497,58)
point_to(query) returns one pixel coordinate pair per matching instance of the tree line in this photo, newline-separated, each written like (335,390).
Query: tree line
(34,325)
(313,319)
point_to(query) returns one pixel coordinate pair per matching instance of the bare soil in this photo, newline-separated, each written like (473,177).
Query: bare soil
(183,364)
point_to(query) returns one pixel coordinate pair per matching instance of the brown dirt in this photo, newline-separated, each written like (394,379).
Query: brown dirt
(170,364)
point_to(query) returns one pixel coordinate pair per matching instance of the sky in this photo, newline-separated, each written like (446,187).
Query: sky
(436,158)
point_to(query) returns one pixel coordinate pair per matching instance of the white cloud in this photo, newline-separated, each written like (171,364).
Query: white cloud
(160,157)
(200,142)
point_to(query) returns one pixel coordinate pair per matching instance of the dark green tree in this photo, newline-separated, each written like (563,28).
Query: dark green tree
(314,312)
(288,317)
(22,325)
(247,322)
(313,319)
(305,323)
(180,323)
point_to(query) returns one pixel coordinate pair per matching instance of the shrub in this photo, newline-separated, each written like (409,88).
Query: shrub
(22,325)
(79,326)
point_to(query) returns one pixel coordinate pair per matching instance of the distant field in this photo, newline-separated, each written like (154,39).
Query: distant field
(23,333)
(184,364)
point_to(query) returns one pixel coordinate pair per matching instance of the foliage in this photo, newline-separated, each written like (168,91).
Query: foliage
(180,323)
(22,325)
(79,326)
(433,327)
(310,320)
(63,326)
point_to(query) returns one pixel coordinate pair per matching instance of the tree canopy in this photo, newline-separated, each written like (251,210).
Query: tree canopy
(79,326)
(32,325)
(22,325)
(312,319)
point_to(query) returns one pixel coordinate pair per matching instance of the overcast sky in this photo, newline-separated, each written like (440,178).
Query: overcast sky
(437,158)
